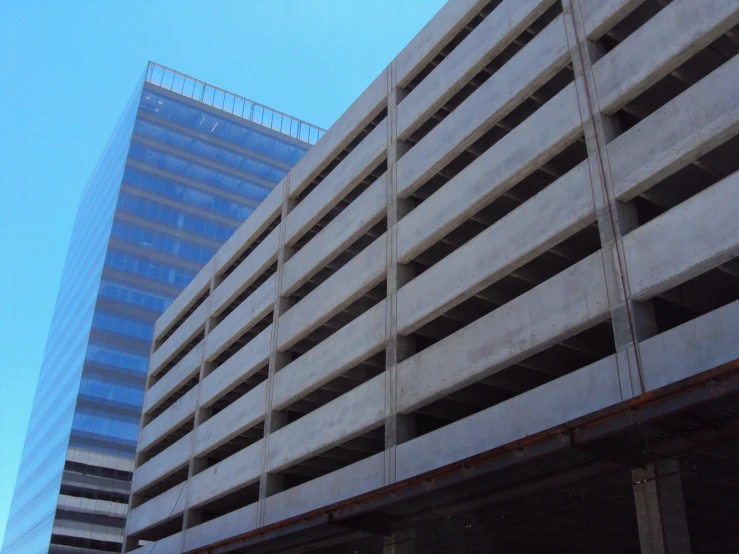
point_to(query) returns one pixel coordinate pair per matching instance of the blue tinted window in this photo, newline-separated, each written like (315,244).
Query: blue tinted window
(122,325)
(130,295)
(148,268)
(163,242)
(110,356)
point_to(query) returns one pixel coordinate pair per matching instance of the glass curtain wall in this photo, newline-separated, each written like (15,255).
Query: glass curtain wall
(178,177)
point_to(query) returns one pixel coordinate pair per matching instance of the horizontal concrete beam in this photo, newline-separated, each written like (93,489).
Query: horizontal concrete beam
(167,544)
(243,364)
(257,305)
(432,39)
(600,16)
(681,131)
(337,184)
(193,325)
(236,471)
(180,374)
(233,420)
(698,345)
(159,509)
(248,271)
(171,418)
(691,238)
(356,412)
(342,484)
(577,394)
(184,301)
(561,307)
(345,129)
(356,219)
(234,523)
(164,464)
(557,212)
(468,58)
(261,218)
(542,136)
(507,88)
(337,292)
(658,47)
(350,345)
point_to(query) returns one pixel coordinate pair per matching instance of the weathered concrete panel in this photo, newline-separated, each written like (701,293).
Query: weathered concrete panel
(233,420)
(559,211)
(476,51)
(171,418)
(351,344)
(347,482)
(684,242)
(560,307)
(333,295)
(184,301)
(194,323)
(599,16)
(185,369)
(167,544)
(356,219)
(248,271)
(236,471)
(681,131)
(235,523)
(244,363)
(584,391)
(161,508)
(169,460)
(547,132)
(250,311)
(356,412)
(661,45)
(342,179)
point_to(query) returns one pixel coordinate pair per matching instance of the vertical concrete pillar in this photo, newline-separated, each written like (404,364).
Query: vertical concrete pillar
(270,483)
(660,509)
(398,427)
(402,542)
(632,321)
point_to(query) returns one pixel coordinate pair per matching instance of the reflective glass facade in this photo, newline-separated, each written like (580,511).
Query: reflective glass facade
(182,170)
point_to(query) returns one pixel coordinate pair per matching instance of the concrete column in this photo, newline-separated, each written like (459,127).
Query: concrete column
(632,321)
(402,542)
(270,483)
(398,427)
(660,509)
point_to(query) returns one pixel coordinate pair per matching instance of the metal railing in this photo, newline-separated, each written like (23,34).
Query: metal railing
(232,103)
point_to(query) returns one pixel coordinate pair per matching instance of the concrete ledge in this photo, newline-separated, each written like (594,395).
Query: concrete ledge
(251,310)
(337,184)
(559,211)
(547,132)
(169,419)
(661,45)
(600,16)
(476,51)
(233,420)
(185,370)
(342,132)
(347,482)
(584,391)
(167,544)
(261,218)
(356,412)
(681,131)
(247,361)
(246,273)
(166,506)
(696,346)
(671,248)
(184,300)
(236,471)
(164,464)
(357,341)
(193,325)
(235,523)
(435,35)
(337,292)
(356,219)
(561,307)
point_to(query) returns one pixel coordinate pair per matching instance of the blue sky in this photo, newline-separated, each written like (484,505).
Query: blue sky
(67,69)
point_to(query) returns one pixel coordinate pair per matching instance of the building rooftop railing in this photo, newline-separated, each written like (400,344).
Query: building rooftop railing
(232,103)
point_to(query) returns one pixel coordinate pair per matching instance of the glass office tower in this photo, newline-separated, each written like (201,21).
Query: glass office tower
(187,163)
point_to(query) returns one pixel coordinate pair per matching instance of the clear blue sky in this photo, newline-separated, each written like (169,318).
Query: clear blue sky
(67,69)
